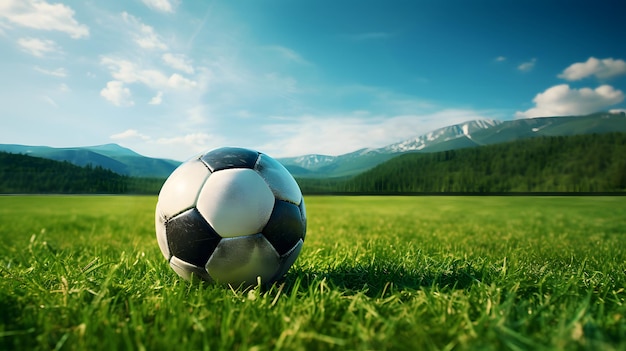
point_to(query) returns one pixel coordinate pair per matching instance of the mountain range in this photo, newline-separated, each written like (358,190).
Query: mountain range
(110,156)
(468,134)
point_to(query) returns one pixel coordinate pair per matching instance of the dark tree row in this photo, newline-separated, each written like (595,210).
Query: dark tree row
(28,175)
(583,163)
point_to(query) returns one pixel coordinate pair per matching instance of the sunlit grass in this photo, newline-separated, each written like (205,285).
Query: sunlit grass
(398,273)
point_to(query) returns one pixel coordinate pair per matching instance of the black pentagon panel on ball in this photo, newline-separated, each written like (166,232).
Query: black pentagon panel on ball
(191,238)
(287,260)
(285,226)
(303,214)
(230,157)
(188,270)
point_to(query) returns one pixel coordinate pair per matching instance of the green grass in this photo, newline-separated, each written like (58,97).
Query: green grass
(376,273)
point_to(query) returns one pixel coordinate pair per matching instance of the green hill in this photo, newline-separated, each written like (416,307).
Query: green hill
(110,156)
(581,163)
(27,175)
(464,135)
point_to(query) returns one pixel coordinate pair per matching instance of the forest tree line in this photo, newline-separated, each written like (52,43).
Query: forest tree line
(581,163)
(23,174)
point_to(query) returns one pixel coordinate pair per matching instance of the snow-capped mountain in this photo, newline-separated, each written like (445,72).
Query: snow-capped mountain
(313,161)
(359,160)
(463,130)
(468,134)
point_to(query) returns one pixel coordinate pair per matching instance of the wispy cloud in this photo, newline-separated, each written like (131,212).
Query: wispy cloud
(157,99)
(500,59)
(129,72)
(181,144)
(42,15)
(292,136)
(167,6)
(179,62)
(202,23)
(38,47)
(191,143)
(50,101)
(144,35)
(288,54)
(601,69)
(562,100)
(528,65)
(129,134)
(59,72)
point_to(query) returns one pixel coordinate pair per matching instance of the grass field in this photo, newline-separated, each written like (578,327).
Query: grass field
(376,273)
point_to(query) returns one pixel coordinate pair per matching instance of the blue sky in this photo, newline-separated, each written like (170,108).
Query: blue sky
(170,78)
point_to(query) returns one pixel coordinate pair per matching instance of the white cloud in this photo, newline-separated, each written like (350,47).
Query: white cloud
(161,5)
(601,69)
(129,134)
(144,35)
(500,59)
(179,62)
(157,99)
(189,139)
(179,147)
(191,143)
(527,66)
(339,134)
(177,81)
(38,47)
(42,15)
(59,72)
(116,93)
(561,100)
(129,72)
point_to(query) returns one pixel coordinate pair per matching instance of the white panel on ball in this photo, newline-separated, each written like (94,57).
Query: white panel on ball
(236,202)
(180,190)
(241,260)
(161,235)
(283,185)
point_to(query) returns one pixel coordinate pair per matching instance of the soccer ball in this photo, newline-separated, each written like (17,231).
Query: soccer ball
(231,216)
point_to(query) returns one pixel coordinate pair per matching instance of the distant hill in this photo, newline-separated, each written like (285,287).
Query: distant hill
(110,156)
(25,174)
(464,135)
(579,163)
(460,136)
